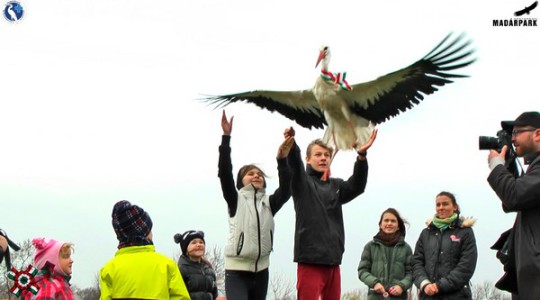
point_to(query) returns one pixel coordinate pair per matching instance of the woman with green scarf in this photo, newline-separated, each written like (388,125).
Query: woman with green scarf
(445,255)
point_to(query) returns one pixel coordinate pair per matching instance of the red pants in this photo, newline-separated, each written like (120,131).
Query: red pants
(316,282)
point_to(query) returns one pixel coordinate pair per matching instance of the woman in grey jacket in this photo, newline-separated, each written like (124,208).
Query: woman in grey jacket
(445,255)
(386,263)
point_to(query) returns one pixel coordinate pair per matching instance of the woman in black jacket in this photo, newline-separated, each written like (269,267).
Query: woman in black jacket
(445,255)
(197,272)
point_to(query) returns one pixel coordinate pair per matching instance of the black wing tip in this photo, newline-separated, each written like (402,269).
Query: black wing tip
(450,54)
(215,101)
(450,45)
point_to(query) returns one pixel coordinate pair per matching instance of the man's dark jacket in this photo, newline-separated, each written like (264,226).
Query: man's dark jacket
(319,236)
(522,195)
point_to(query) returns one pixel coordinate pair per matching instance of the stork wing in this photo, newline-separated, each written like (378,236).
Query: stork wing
(388,95)
(300,106)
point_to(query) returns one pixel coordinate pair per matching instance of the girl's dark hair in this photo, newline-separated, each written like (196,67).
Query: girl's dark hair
(452,198)
(244,170)
(401,222)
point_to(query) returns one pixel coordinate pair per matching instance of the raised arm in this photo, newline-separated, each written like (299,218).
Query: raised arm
(516,194)
(294,159)
(283,192)
(356,184)
(225,166)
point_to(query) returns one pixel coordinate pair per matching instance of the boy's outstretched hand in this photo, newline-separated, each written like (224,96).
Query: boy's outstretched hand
(226,125)
(367,145)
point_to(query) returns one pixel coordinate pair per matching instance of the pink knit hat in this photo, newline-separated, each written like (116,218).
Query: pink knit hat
(47,250)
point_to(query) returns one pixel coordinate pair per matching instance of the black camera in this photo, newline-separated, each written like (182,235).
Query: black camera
(496,143)
(504,138)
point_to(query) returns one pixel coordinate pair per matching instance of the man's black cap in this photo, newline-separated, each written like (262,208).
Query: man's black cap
(529,118)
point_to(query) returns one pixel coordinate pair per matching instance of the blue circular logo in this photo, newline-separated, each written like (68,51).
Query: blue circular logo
(13,11)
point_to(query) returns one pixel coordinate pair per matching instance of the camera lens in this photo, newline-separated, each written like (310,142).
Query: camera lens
(487,143)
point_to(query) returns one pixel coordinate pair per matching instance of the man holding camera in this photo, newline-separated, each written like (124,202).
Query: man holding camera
(522,195)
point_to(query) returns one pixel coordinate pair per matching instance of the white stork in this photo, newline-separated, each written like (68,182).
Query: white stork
(351,111)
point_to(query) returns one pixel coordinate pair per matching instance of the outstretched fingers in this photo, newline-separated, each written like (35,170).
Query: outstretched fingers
(285,147)
(225,124)
(368,144)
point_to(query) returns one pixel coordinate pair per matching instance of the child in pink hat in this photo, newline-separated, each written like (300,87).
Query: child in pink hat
(53,260)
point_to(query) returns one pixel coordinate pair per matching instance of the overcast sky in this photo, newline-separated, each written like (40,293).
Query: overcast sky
(98,104)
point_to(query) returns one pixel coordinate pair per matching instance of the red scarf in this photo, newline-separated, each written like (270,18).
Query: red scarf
(389,240)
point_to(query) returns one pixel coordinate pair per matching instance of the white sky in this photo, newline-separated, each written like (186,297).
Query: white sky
(98,105)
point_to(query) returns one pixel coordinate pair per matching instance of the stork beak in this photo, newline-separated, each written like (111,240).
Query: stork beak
(322,55)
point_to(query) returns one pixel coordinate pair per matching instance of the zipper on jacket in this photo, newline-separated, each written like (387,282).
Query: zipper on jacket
(258,229)
(389,259)
(438,233)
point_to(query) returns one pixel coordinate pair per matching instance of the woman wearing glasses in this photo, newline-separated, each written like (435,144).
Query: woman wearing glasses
(196,270)
(251,219)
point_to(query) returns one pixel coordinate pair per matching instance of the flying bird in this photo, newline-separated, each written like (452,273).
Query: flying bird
(350,112)
(526,10)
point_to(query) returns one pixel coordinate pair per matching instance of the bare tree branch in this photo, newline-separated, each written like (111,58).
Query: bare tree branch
(216,258)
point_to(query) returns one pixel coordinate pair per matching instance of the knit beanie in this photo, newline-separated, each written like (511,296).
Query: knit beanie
(186,238)
(47,250)
(131,223)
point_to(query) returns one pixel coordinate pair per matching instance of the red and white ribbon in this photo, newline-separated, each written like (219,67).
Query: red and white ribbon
(337,79)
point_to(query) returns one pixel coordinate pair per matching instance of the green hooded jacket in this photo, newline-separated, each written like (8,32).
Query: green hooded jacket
(388,265)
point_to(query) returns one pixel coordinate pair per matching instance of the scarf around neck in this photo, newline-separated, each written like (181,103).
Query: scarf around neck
(389,240)
(443,224)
